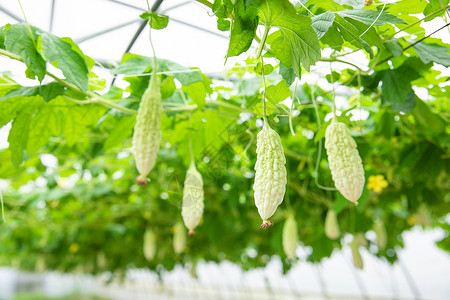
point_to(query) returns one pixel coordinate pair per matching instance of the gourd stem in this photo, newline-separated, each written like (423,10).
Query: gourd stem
(266,124)
(291,127)
(319,151)
(154,80)
(333,94)
(190,142)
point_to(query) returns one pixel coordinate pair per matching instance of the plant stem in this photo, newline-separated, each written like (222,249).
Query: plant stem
(331,59)
(264,94)
(115,106)
(291,127)
(319,151)
(263,42)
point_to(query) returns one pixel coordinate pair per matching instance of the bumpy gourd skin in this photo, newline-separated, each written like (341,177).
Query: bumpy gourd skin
(344,160)
(147,131)
(270,177)
(193,197)
(290,237)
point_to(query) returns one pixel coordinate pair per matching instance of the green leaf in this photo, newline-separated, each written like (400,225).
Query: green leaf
(51,90)
(10,107)
(277,93)
(351,34)
(158,21)
(333,38)
(89,61)
(397,90)
(370,36)
(136,64)
(122,130)
(243,29)
(44,124)
(287,74)
(268,68)
(24,91)
(433,53)
(67,60)
(223,24)
(430,122)
(434,6)
(76,118)
(47,91)
(369,16)
(222,8)
(199,90)
(167,87)
(353,3)
(394,47)
(321,23)
(296,43)
(18,40)
(18,136)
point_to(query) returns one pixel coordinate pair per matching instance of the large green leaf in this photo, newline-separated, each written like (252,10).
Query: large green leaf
(69,61)
(433,53)
(18,136)
(295,43)
(44,124)
(368,17)
(321,23)
(18,40)
(243,28)
(397,90)
(136,64)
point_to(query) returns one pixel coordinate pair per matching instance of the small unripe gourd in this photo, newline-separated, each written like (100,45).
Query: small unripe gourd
(357,259)
(380,231)
(149,246)
(101,260)
(179,238)
(290,237)
(344,160)
(270,177)
(147,131)
(331,225)
(193,197)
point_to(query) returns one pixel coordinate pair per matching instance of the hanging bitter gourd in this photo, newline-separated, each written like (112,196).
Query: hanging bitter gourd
(193,197)
(345,163)
(147,131)
(290,237)
(270,175)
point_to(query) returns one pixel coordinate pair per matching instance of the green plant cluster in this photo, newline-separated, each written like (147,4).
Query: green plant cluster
(72,204)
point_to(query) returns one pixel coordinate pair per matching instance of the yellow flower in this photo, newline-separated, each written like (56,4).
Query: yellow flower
(73,248)
(377,183)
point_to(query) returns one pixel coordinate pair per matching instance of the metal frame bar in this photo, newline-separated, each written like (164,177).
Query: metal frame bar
(96,34)
(11,14)
(198,28)
(127,5)
(52,16)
